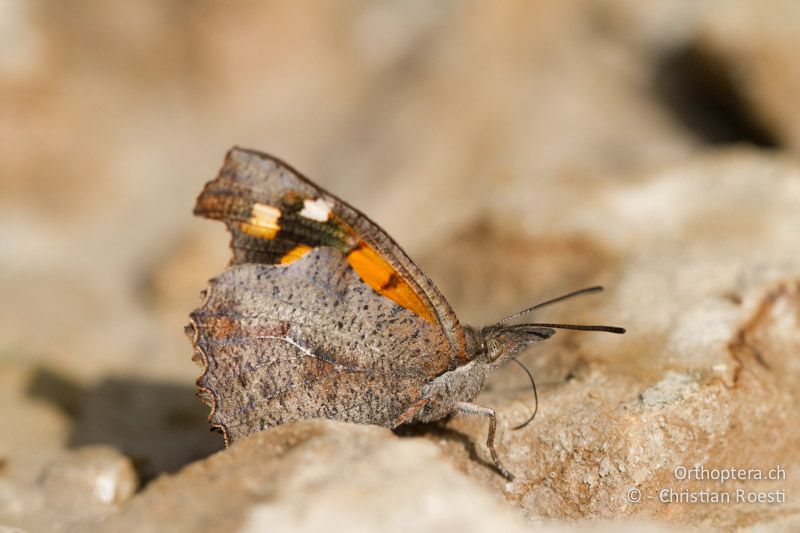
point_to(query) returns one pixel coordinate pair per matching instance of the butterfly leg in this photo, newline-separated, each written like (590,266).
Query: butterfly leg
(466,408)
(411,411)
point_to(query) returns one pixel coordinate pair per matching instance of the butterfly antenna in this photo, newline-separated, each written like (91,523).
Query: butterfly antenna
(535,395)
(588,290)
(578,327)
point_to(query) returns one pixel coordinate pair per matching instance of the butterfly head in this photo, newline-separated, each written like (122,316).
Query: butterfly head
(501,342)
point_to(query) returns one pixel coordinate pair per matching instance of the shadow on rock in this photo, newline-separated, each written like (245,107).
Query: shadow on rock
(161,426)
(436,431)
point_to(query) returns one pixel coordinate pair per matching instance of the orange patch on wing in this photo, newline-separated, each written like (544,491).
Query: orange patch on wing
(263,222)
(294,254)
(386,281)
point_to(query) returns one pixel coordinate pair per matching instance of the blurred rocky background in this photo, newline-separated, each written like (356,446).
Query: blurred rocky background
(516,149)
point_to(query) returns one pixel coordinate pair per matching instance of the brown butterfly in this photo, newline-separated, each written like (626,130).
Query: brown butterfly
(321,314)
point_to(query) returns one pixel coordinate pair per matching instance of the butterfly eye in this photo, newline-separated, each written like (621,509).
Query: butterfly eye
(494,349)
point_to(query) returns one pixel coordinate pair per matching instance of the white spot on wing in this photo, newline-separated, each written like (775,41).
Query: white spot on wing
(265,215)
(318,210)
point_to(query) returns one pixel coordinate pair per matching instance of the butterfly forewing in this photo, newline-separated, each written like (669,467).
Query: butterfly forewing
(276,216)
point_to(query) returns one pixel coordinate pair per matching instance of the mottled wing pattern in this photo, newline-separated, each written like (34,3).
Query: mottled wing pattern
(305,340)
(276,216)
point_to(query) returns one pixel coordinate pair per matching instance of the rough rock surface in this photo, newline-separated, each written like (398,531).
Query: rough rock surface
(319,476)
(708,370)
(517,150)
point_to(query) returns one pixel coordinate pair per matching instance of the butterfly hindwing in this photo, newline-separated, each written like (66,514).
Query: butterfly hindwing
(309,340)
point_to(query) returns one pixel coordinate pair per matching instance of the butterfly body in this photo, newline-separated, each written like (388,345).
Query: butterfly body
(321,314)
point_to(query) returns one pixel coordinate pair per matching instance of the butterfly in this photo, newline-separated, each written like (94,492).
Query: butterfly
(320,314)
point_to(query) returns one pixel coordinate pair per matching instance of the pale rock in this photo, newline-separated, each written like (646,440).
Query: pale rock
(317,475)
(88,478)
